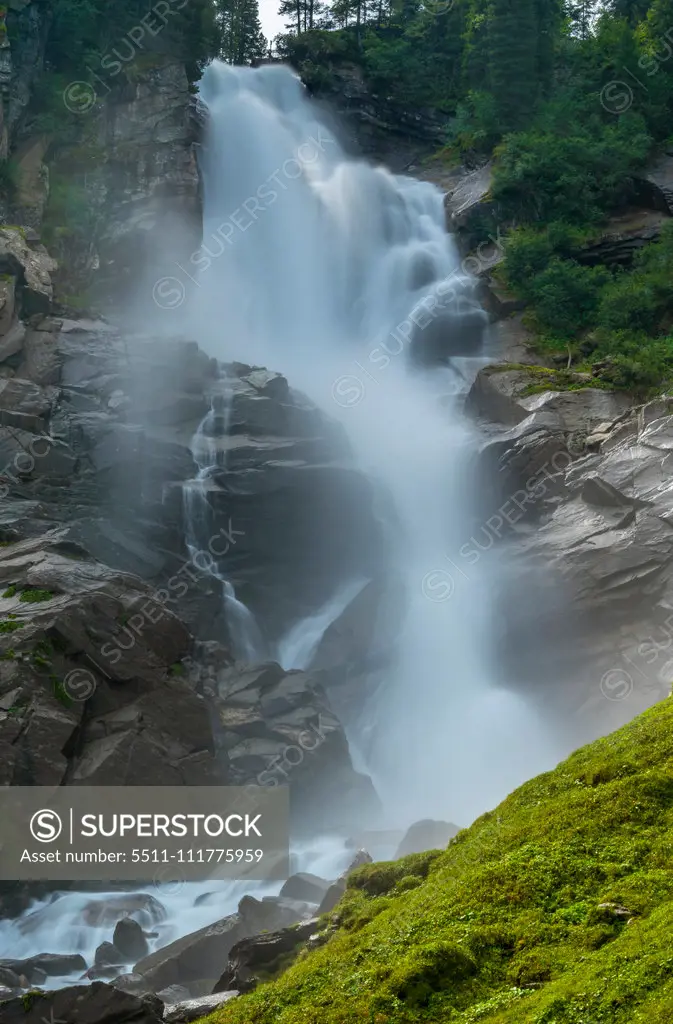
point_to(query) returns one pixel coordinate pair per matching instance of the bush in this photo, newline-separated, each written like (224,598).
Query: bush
(566,297)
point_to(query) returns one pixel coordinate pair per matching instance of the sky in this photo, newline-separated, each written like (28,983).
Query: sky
(272,21)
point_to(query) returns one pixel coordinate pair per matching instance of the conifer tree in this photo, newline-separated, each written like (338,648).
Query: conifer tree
(242,39)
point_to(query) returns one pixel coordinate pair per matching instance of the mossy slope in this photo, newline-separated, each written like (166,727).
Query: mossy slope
(505,926)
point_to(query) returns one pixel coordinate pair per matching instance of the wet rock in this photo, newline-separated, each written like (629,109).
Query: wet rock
(270,718)
(193,1009)
(84,1004)
(47,965)
(194,957)
(426,835)
(9,979)
(129,939)
(305,886)
(107,955)
(261,953)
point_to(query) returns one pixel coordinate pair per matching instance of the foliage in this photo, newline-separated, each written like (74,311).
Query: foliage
(515,922)
(33,595)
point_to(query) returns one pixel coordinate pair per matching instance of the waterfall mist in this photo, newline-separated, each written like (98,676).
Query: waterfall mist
(342,277)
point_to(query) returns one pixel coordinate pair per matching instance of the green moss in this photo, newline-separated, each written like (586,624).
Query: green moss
(11,591)
(34,596)
(7,626)
(178,669)
(556,908)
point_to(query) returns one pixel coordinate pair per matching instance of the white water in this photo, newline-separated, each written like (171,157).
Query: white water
(315,265)
(298,647)
(320,282)
(58,924)
(209,456)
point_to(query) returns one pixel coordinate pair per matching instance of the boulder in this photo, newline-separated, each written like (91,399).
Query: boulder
(129,939)
(305,886)
(47,965)
(197,956)
(107,955)
(84,1004)
(426,835)
(9,979)
(262,953)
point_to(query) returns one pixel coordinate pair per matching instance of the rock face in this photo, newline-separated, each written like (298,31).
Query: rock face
(277,726)
(84,1004)
(148,188)
(381,131)
(588,530)
(62,616)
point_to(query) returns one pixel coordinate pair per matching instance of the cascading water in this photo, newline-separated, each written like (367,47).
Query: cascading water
(209,452)
(333,272)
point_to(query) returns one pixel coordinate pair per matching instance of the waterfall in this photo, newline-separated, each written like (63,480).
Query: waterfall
(209,450)
(342,276)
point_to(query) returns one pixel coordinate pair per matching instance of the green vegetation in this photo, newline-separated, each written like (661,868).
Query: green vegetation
(32,595)
(570,100)
(9,626)
(10,592)
(555,908)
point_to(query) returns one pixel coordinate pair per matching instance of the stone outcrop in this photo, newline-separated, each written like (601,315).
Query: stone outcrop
(591,551)
(200,956)
(64,647)
(374,126)
(262,955)
(277,727)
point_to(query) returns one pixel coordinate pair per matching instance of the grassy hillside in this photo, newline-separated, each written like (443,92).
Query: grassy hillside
(506,925)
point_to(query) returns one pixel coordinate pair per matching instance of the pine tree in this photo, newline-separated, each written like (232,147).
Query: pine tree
(242,39)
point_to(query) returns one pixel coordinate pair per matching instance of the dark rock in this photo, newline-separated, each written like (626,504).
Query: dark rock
(45,965)
(426,835)
(270,717)
(194,957)
(9,979)
(84,1004)
(130,940)
(107,955)
(305,886)
(261,952)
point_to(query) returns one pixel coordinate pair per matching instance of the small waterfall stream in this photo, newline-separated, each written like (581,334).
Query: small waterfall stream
(209,449)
